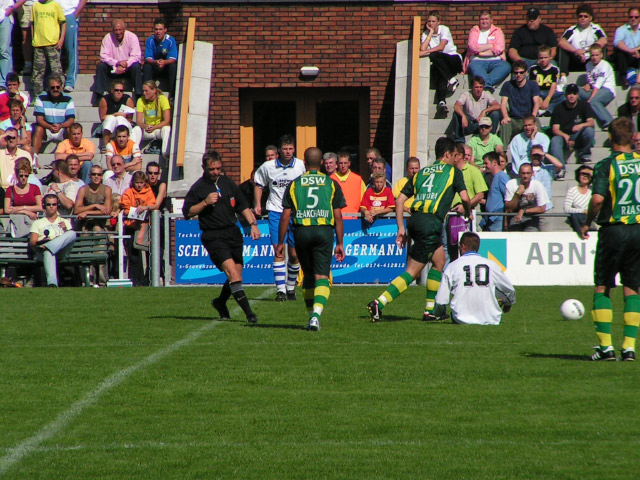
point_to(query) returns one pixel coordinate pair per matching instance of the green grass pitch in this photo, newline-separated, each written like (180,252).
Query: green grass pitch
(144,384)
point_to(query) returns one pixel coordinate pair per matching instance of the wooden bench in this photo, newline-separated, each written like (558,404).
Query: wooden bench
(88,250)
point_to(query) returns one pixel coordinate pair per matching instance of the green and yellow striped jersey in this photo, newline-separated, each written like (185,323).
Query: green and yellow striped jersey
(433,188)
(616,178)
(312,197)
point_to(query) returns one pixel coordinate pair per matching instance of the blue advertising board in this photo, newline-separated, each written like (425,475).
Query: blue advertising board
(371,255)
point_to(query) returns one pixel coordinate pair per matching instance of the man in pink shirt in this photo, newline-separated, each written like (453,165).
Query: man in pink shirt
(120,56)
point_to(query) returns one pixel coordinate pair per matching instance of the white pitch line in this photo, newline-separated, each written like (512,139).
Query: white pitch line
(31,444)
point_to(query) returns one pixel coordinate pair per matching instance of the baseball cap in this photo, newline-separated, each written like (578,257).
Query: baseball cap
(485,121)
(572,88)
(533,13)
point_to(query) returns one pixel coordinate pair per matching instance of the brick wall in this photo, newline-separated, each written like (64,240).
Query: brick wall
(261,45)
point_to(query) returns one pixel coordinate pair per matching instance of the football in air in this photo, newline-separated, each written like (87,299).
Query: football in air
(572,309)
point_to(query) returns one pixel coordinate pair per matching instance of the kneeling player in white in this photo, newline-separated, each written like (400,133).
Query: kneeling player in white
(474,282)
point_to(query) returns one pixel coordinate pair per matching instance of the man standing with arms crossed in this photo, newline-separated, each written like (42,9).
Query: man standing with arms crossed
(277,175)
(616,204)
(316,202)
(433,188)
(215,199)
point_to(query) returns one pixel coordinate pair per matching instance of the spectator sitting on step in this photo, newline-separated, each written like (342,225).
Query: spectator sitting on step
(120,179)
(472,106)
(49,27)
(378,165)
(12,92)
(8,156)
(161,56)
(544,172)
(630,109)
(93,199)
(484,141)
(54,113)
(528,38)
(576,203)
(17,120)
(64,187)
(51,237)
(546,76)
(520,146)
(485,54)
(125,147)
(23,198)
(520,97)
(81,148)
(153,116)
(446,62)
(626,47)
(74,168)
(115,109)
(120,57)
(575,42)
(377,200)
(572,126)
(600,89)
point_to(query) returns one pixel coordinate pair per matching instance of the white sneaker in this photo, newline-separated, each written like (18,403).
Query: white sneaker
(562,82)
(68,89)
(314,324)
(541,112)
(453,84)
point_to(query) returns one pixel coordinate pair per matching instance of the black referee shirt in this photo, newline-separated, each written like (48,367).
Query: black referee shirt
(221,214)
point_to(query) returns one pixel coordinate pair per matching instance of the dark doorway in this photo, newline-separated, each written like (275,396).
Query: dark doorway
(271,120)
(338,124)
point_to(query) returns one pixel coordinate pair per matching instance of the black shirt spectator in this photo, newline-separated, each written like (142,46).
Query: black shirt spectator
(527,38)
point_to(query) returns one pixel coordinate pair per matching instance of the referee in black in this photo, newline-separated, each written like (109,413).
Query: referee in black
(215,199)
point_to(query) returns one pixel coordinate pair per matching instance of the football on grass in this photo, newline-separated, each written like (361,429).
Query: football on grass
(572,309)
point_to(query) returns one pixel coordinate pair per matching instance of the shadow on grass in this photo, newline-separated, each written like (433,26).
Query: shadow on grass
(273,325)
(391,318)
(559,356)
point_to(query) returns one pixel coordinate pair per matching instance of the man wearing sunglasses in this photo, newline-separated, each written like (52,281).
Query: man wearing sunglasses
(520,97)
(626,46)
(9,155)
(51,237)
(575,42)
(54,113)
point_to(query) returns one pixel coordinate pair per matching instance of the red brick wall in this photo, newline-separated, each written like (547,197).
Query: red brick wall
(261,45)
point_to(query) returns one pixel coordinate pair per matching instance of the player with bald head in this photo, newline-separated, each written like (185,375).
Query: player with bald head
(314,202)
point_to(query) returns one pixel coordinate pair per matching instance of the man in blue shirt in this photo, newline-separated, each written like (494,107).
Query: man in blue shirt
(161,56)
(520,97)
(54,113)
(626,46)
(495,199)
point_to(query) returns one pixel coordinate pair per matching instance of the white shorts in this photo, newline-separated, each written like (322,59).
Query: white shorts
(56,137)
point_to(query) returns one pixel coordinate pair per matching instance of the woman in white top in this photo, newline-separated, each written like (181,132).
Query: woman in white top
(577,200)
(446,62)
(601,86)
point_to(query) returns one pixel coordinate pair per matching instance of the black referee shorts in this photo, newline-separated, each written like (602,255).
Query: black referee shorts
(223,244)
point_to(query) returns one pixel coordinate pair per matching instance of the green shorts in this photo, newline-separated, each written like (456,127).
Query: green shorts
(425,230)
(314,246)
(618,251)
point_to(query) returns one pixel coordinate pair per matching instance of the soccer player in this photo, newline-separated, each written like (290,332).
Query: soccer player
(433,188)
(215,199)
(616,204)
(315,202)
(277,176)
(473,281)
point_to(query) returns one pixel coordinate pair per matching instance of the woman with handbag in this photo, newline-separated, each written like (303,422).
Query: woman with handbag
(135,203)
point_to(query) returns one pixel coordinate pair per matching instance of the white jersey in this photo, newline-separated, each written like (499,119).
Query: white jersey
(473,281)
(601,76)
(278,177)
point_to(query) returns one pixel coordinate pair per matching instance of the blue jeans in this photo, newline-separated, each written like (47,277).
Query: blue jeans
(6,52)
(71,49)
(599,105)
(557,99)
(584,140)
(58,246)
(493,71)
